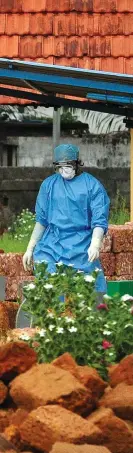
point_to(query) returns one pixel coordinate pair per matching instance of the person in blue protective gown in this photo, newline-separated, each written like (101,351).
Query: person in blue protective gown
(71,218)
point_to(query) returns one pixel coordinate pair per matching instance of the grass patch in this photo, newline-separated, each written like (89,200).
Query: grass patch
(10,244)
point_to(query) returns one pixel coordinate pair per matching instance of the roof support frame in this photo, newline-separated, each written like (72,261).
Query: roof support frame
(54,101)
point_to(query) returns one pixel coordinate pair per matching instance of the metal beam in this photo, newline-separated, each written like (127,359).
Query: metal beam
(52,101)
(110,87)
(60,82)
(111,98)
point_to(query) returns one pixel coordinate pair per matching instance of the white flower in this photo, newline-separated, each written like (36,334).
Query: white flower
(42,333)
(51,327)
(80,295)
(50,315)
(48,286)
(111,353)
(89,308)
(106,297)
(60,330)
(82,304)
(107,332)
(126,297)
(68,319)
(53,273)
(30,286)
(80,272)
(70,265)
(24,336)
(72,329)
(47,340)
(89,278)
(60,263)
(114,323)
(63,275)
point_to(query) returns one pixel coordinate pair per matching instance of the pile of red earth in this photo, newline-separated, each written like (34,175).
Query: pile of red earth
(62,407)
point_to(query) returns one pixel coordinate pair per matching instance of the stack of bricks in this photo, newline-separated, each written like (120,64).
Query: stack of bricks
(117,252)
(116,258)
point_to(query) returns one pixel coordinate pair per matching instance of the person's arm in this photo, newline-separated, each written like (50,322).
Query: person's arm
(96,243)
(41,224)
(35,237)
(99,205)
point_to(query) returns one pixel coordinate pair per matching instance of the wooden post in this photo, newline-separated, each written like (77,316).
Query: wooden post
(131,179)
(56,128)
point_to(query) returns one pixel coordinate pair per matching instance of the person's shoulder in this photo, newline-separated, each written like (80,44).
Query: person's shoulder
(93,182)
(48,181)
(90,177)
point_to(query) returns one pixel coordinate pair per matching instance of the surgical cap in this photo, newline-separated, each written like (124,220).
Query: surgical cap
(66,152)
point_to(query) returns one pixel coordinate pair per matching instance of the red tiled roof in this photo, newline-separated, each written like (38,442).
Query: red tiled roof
(93,34)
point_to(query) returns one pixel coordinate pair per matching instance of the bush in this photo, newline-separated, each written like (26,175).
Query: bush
(94,334)
(23,226)
(119,213)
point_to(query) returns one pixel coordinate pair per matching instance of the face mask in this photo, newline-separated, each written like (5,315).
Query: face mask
(67,172)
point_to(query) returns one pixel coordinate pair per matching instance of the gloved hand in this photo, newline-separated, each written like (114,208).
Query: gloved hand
(35,237)
(96,242)
(27,259)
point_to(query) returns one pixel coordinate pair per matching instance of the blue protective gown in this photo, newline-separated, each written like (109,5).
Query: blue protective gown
(70,210)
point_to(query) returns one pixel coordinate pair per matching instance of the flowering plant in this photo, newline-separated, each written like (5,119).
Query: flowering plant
(23,226)
(95,334)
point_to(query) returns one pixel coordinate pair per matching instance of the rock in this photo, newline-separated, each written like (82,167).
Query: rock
(63,447)
(14,286)
(85,374)
(18,417)
(15,358)
(6,446)
(17,333)
(107,243)
(3,392)
(50,424)
(122,238)
(108,263)
(120,399)
(11,265)
(90,378)
(8,311)
(66,362)
(46,384)
(117,436)
(124,263)
(12,435)
(4,419)
(4,320)
(11,308)
(123,372)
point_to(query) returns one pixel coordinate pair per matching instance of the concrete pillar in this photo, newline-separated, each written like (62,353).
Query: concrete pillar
(56,127)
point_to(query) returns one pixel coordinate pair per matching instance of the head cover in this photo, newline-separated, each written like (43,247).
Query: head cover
(65,153)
